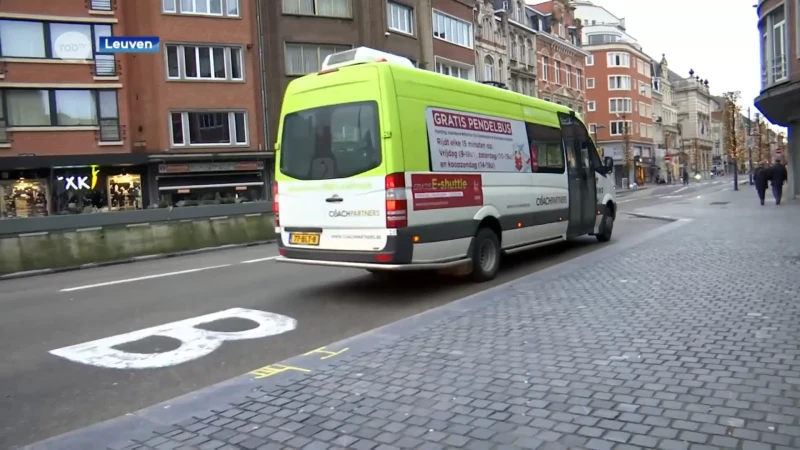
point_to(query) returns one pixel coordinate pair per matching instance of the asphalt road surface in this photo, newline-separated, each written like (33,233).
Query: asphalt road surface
(42,395)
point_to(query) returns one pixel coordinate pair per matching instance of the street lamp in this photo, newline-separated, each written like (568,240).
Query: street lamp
(597,127)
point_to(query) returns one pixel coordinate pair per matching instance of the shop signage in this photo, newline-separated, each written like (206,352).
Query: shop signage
(195,342)
(77,182)
(211,167)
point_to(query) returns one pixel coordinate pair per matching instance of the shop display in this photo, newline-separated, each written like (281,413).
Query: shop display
(23,198)
(124,192)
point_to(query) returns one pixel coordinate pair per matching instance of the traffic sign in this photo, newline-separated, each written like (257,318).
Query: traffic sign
(667,157)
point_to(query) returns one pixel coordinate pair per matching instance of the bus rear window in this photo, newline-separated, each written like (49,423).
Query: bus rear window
(336,141)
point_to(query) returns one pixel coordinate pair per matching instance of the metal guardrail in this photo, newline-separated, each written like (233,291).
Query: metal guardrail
(105,67)
(43,225)
(101,5)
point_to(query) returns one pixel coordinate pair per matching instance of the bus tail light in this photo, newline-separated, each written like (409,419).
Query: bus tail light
(275,205)
(396,202)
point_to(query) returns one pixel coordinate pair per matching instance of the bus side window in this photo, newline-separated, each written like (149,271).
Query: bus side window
(589,150)
(546,151)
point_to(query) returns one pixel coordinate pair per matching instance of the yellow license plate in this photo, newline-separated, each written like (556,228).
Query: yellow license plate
(304,238)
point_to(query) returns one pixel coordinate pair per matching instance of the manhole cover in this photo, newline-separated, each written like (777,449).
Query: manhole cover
(719,203)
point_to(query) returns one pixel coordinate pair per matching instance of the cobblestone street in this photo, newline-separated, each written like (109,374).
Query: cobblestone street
(690,340)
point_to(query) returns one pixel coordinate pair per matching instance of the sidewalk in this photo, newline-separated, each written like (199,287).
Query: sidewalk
(686,338)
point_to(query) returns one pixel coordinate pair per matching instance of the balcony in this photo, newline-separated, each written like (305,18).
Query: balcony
(105,67)
(780,70)
(110,130)
(101,5)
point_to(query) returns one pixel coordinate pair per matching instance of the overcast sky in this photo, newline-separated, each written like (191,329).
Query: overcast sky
(716,38)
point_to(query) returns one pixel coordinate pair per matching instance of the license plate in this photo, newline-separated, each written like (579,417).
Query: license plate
(304,238)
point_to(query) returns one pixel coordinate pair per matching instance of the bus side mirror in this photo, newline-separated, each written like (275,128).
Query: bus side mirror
(608,163)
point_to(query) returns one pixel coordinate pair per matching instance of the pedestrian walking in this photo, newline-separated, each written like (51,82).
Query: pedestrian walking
(761,178)
(685,176)
(778,177)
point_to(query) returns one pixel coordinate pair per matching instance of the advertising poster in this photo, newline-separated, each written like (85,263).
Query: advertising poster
(467,142)
(432,191)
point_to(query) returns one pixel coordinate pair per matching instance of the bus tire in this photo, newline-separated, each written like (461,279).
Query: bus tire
(606,226)
(486,253)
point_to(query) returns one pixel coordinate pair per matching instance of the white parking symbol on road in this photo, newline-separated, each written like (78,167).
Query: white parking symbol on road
(195,342)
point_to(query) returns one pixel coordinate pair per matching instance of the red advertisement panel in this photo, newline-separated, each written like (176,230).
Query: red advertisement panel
(436,191)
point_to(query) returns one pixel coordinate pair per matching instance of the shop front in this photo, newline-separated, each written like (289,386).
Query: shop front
(24,194)
(211,183)
(82,190)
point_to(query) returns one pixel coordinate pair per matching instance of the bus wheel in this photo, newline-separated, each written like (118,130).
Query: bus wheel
(485,255)
(606,226)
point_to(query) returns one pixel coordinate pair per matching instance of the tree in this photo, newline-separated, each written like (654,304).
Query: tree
(733,147)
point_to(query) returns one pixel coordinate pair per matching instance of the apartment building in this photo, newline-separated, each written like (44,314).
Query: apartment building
(491,42)
(778,25)
(665,122)
(119,132)
(521,48)
(453,35)
(559,54)
(694,101)
(618,93)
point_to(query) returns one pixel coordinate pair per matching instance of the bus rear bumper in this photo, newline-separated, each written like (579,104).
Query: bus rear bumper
(375,266)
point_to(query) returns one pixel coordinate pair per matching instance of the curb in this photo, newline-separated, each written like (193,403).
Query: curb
(133,259)
(654,217)
(138,426)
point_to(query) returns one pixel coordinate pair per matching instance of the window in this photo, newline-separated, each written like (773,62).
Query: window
(307,58)
(463,72)
(58,107)
(400,18)
(579,78)
(336,141)
(777,20)
(545,67)
(546,150)
(514,49)
(568,71)
(591,106)
(599,39)
(618,82)
(450,29)
(645,89)
(557,67)
(561,30)
(620,127)
(208,128)
(590,83)
(620,105)
(225,8)
(642,108)
(643,130)
(29,39)
(192,62)
(616,59)
(590,60)
(330,8)
(593,128)
(488,69)
(520,13)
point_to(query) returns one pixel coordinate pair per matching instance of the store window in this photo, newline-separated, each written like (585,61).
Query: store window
(95,189)
(23,198)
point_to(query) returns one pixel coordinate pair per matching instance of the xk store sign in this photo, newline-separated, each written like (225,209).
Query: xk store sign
(80,182)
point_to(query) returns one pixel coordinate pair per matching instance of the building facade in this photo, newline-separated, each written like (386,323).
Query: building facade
(665,122)
(521,49)
(106,132)
(454,51)
(619,94)
(559,54)
(780,77)
(694,102)
(491,42)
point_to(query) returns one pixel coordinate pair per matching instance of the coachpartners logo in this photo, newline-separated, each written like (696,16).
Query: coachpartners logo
(354,213)
(544,201)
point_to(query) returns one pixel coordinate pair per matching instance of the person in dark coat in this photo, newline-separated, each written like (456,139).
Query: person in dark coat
(761,178)
(778,178)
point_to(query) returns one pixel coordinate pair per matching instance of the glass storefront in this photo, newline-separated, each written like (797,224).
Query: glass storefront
(93,189)
(212,183)
(23,198)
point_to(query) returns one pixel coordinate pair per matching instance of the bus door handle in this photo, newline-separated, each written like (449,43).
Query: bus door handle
(334,199)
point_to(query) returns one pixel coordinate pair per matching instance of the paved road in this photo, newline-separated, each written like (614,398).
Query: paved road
(42,395)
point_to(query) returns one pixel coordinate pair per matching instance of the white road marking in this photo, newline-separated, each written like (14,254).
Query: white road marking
(251,261)
(681,189)
(671,196)
(147,277)
(195,342)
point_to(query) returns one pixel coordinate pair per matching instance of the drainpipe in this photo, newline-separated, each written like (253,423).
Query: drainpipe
(426,35)
(263,76)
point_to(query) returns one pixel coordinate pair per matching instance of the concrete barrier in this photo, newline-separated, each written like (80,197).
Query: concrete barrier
(72,247)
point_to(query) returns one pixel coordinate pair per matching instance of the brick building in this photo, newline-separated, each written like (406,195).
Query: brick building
(128,131)
(619,93)
(561,59)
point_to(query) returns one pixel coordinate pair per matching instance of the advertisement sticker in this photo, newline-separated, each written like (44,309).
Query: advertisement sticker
(431,191)
(464,142)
